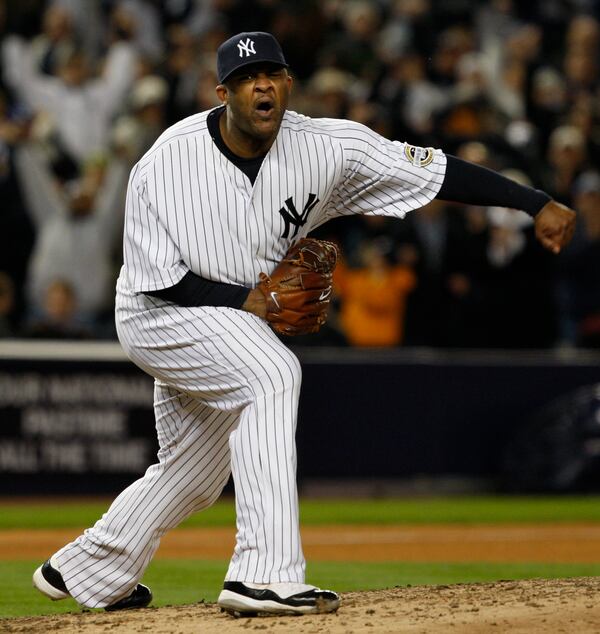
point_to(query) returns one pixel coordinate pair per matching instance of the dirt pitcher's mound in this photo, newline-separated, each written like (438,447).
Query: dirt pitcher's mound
(528,607)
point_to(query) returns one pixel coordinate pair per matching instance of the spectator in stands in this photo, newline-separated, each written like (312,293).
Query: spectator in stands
(89,24)
(408,27)
(411,98)
(547,103)
(567,156)
(133,134)
(583,34)
(77,228)
(81,107)
(373,296)
(302,32)
(518,274)
(519,78)
(452,44)
(196,17)
(59,317)
(204,96)
(580,268)
(182,70)
(331,90)
(582,40)
(138,22)
(352,50)
(51,49)
(16,229)
(438,241)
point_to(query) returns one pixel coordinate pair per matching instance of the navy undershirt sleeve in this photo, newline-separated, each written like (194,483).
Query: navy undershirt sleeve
(472,184)
(193,290)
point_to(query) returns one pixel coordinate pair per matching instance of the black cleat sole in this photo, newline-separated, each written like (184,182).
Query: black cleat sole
(238,614)
(139,598)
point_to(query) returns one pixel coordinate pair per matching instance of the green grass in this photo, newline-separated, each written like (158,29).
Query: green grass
(176,582)
(181,582)
(470,510)
(172,582)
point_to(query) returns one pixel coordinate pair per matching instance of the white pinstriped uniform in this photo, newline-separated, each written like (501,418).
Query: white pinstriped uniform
(226,388)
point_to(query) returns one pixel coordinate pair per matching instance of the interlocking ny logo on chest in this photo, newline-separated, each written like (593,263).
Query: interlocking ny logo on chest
(291,216)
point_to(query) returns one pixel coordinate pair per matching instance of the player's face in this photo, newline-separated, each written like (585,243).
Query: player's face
(257,97)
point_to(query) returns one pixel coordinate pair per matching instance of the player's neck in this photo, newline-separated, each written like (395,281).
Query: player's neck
(240,143)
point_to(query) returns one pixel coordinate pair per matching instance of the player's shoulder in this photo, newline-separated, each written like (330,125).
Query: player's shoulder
(193,126)
(335,128)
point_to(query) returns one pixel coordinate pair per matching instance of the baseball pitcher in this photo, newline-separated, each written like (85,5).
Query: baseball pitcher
(217,264)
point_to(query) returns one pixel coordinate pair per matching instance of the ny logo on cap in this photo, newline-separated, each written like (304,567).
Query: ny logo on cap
(246,47)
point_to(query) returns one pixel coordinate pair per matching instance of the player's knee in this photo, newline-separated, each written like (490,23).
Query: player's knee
(283,374)
(294,368)
(211,497)
(205,493)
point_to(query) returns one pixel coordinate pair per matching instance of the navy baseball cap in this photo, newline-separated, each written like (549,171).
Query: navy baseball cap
(247,48)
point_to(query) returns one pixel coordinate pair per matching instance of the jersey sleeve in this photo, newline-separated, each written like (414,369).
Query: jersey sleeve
(151,257)
(383,177)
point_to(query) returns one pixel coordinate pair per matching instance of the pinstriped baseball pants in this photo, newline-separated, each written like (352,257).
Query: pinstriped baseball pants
(226,397)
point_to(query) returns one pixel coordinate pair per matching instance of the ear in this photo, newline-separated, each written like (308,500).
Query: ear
(222,93)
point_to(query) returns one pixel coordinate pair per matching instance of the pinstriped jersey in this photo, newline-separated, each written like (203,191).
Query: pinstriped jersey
(189,208)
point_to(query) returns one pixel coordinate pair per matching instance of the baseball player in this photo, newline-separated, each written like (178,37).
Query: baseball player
(217,215)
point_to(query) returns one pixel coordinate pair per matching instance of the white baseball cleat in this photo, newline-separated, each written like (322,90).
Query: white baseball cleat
(48,580)
(250,599)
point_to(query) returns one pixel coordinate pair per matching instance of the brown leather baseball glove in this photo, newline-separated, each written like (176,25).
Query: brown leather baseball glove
(298,291)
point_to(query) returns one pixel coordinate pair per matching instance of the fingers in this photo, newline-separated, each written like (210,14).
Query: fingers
(551,245)
(554,242)
(555,228)
(553,239)
(566,231)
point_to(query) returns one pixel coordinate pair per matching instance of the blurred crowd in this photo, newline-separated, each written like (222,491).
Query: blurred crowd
(86,86)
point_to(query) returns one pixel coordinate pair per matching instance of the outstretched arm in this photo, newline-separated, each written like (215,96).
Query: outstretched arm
(119,74)
(42,196)
(39,92)
(475,185)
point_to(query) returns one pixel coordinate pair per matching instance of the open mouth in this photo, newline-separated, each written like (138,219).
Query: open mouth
(264,107)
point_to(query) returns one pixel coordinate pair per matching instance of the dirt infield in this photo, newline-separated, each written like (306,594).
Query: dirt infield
(525,607)
(557,543)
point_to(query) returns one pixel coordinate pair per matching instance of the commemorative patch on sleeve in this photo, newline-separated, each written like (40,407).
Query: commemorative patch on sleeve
(419,156)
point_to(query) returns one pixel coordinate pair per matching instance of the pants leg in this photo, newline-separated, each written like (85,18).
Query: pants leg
(223,372)
(263,449)
(107,561)
(263,460)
